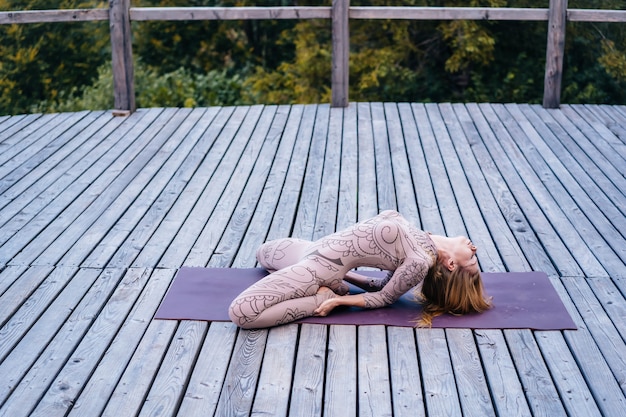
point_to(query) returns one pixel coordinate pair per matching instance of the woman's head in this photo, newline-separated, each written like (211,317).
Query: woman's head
(453,285)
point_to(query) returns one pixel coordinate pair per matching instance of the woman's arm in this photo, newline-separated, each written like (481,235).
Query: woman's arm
(364,282)
(355,300)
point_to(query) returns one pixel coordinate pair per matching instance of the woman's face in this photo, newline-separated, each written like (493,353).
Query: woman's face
(463,253)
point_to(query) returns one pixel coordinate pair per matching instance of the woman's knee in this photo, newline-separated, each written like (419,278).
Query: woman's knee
(243,319)
(281,253)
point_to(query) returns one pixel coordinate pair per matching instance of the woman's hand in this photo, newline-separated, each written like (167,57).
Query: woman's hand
(326,307)
(354,300)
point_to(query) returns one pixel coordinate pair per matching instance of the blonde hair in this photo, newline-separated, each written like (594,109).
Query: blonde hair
(456,292)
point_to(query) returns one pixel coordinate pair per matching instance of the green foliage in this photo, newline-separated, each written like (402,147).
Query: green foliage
(66,66)
(179,88)
(39,61)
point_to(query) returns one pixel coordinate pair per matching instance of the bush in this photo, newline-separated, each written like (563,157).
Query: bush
(179,88)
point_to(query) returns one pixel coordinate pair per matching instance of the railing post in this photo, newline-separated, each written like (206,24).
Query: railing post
(555,50)
(341,52)
(122,56)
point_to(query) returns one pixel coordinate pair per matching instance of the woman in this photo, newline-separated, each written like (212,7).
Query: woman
(307,278)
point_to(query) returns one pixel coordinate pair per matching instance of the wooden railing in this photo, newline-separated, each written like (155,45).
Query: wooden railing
(120,14)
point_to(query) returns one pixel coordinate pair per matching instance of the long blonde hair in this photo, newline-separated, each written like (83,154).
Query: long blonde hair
(456,292)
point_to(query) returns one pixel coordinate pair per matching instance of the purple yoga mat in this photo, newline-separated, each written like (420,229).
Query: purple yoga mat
(522,300)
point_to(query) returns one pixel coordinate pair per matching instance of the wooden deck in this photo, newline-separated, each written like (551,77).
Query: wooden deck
(97,213)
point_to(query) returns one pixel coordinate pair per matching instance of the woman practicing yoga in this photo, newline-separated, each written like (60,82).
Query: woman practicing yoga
(307,278)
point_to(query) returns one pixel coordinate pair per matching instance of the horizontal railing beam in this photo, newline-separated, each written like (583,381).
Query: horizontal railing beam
(598,16)
(228,13)
(52,16)
(447,13)
(313,12)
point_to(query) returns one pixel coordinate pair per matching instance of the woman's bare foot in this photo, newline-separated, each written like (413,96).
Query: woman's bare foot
(326,292)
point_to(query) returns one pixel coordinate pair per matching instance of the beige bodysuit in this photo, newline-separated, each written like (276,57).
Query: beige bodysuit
(299,268)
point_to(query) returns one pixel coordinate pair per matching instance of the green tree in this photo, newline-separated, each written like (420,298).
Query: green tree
(38,61)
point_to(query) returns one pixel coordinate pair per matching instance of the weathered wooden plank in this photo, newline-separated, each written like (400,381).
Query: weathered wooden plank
(585,15)
(8,136)
(307,212)
(601,181)
(171,380)
(29,140)
(340,53)
(553,346)
(449,13)
(400,165)
(436,169)
(347,200)
(468,371)
(8,275)
(242,376)
(210,236)
(440,391)
(552,211)
(471,190)
(580,368)
(325,218)
(228,13)
(270,143)
(413,131)
(139,197)
(272,391)
(508,395)
(600,327)
(284,216)
(308,378)
(406,386)
(274,386)
(340,391)
(50,151)
(179,247)
(473,184)
(267,202)
(576,177)
(51,293)
(613,301)
(130,391)
(131,233)
(504,384)
(504,185)
(122,55)
(68,383)
(95,395)
(373,372)
(607,120)
(63,210)
(20,289)
(539,387)
(60,191)
(10,122)
(385,186)
(368,197)
(28,388)
(41,174)
(153,249)
(123,190)
(612,147)
(52,16)
(579,208)
(555,50)
(204,387)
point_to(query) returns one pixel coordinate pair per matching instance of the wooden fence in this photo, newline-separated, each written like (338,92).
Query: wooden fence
(120,15)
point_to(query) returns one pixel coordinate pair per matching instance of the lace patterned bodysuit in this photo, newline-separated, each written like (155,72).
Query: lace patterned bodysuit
(387,241)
